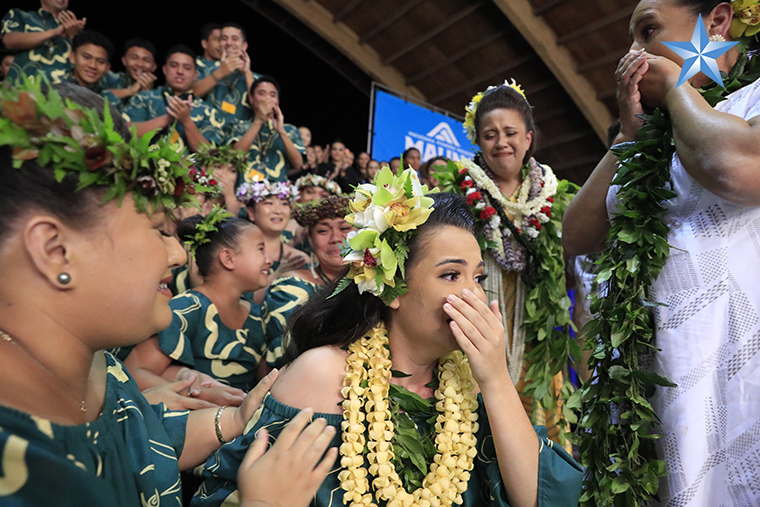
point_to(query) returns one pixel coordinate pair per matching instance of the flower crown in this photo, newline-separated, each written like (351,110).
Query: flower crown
(332,206)
(72,139)
(206,226)
(472,108)
(315,180)
(386,215)
(251,193)
(210,155)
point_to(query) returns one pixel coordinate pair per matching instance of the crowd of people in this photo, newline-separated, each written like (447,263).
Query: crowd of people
(188,283)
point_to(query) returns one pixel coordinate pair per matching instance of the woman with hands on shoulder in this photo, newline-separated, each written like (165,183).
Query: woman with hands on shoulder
(708,318)
(83,270)
(407,361)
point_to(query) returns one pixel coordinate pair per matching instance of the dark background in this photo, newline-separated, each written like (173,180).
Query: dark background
(313,93)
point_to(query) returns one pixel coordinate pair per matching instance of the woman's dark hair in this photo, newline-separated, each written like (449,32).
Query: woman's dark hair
(227,235)
(32,187)
(408,151)
(504,97)
(346,317)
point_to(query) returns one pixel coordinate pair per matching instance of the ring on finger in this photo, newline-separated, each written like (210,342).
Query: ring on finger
(618,79)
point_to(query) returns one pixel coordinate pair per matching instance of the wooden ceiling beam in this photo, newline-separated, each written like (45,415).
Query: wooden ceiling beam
(500,71)
(440,27)
(345,11)
(601,62)
(623,13)
(381,27)
(553,113)
(543,40)
(547,7)
(319,19)
(567,138)
(472,48)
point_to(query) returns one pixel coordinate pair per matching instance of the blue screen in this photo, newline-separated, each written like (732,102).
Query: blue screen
(399,124)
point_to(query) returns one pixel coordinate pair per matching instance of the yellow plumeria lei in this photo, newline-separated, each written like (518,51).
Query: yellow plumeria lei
(369,365)
(746,21)
(472,108)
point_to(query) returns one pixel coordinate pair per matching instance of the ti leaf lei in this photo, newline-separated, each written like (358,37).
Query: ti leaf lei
(546,318)
(619,454)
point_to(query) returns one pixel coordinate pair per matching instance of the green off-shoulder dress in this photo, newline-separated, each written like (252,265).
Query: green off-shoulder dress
(198,338)
(282,298)
(559,476)
(126,457)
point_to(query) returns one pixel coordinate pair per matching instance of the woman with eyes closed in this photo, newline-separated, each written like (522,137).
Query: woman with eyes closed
(407,360)
(518,205)
(706,329)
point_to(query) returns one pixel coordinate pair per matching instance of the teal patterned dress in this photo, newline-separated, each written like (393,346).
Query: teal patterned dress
(559,476)
(198,338)
(282,298)
(229,94)
(127,457)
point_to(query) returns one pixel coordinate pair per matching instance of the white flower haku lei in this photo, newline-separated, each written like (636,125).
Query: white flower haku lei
(315,180)
(455,440)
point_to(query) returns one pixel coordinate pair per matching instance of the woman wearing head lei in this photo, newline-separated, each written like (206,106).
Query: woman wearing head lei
(268,205)
(685,180)
(326,230)
(313,187)
(518,205)
(84,263)
(213,330)
(224,163)
(393,355)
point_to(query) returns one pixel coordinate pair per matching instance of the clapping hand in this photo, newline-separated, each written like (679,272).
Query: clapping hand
(180,109)
(631,69)
(70,25)
(230,62)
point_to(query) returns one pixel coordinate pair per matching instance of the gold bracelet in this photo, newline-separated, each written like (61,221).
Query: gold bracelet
(217,426)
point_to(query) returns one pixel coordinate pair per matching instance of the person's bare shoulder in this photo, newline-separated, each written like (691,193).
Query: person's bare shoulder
(313,380)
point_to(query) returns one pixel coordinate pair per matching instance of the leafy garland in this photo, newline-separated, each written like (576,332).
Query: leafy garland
(210,155)
(547,319)
(208,225)
(73,140)
(619,454)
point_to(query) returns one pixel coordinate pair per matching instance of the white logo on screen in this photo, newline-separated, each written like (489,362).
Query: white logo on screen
(440,141)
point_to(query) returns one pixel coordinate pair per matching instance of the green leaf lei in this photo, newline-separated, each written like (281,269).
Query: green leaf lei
(74,140)
(622,467)
(211,156)
(546,318)
(209,224)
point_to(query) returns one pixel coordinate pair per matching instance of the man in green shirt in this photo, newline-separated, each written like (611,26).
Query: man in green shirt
(211,42)
(90,60)
(173,104)
(226,86)
(139,62)
(41,39)
(274,147)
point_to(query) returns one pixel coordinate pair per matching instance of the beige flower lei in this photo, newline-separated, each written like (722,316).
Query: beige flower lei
(369,360)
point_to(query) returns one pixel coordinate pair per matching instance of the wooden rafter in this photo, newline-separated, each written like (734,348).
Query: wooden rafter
(499,71)
(541,37)
(463,53)
(345,11)
(600,62)
(547,7)
(623,13)
(575,162)
(380,28)
(567,138)
(319,19)
(440,27)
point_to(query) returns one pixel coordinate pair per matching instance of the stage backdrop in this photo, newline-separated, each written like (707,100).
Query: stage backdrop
(399,124)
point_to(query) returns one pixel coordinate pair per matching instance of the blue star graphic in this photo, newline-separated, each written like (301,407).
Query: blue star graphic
(700,54)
